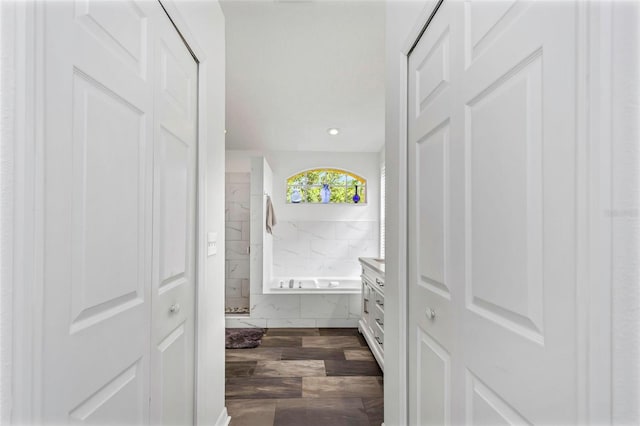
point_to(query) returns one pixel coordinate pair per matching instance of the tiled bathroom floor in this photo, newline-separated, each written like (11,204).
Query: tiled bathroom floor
(305,377)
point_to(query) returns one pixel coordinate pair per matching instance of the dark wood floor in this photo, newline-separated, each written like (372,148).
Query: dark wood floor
(305,377)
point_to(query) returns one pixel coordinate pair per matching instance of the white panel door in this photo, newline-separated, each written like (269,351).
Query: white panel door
(492,283)
(174,272)
(98,140)
(119,170)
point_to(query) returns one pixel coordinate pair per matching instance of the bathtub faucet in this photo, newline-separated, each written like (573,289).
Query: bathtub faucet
(291,283)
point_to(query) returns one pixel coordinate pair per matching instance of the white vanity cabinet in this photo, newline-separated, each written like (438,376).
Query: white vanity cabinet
(371,323)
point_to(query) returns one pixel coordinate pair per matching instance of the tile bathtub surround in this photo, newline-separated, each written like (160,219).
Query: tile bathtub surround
(237,199)
(323,248)
(293,310)
(330,381)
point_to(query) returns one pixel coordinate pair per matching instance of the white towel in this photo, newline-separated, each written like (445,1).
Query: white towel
(271,216)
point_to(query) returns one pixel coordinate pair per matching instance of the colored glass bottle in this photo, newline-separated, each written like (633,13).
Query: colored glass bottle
(356,198)
(325,193)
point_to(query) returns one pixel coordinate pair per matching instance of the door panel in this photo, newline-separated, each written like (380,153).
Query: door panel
(120,27)
(433,388)
(173,293)
(106,278)
(485,407)
(505,283)
(117,402)
(492,216)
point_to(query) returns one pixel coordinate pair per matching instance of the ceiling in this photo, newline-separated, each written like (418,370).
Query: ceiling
(297,68)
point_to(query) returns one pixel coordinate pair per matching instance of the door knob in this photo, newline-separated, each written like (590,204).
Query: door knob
(174,309)
(431,314)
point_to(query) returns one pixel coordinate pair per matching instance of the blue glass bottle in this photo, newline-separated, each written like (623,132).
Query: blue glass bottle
(356,198)
(295,196)
(325,193)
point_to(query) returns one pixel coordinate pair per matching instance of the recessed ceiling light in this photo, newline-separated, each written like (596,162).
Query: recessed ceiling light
(333,131)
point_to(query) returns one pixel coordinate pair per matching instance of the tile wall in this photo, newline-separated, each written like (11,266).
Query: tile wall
(305,310)
(237,196)
(323,248)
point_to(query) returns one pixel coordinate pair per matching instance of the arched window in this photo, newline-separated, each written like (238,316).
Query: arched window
(326,186)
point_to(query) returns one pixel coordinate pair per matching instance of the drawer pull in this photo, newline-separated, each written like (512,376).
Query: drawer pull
(380,283)
(365,308)
(380,323)
(379,341)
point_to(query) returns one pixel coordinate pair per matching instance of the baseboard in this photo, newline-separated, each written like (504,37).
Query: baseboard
(223,418)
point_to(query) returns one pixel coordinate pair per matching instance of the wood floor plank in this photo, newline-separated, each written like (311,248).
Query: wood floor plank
(302,368)
(330,342)
(263,387)
(341,387)
(255,354)
(312,353)
(375,410)
(251,412)
(352,368)
(240,368)
(321,412)
(363,354)
(282,341)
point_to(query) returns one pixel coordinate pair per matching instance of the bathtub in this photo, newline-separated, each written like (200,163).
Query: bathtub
(305,285)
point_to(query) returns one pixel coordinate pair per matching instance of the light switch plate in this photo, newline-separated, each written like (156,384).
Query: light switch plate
(212,243)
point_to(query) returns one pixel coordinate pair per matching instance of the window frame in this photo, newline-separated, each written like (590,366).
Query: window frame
(362,183)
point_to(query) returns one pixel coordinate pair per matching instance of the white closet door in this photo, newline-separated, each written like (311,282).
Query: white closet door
(98,140)
(492,282)
(119,176)
(174,273)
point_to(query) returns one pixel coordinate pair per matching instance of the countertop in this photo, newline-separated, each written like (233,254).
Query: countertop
(373,263)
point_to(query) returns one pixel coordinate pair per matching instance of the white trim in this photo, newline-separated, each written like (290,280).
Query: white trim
(619,137)
(223,419)
(25,130)
(593,274)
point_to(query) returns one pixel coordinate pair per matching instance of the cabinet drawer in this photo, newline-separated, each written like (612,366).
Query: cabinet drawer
(376,280)
(378,302)
(379,320)
(379,336)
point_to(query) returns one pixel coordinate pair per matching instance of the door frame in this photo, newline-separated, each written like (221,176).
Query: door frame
(22,215)
(594,132)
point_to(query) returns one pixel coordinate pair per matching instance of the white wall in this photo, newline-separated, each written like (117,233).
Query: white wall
(268,310)
(7,88)
(625,212)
